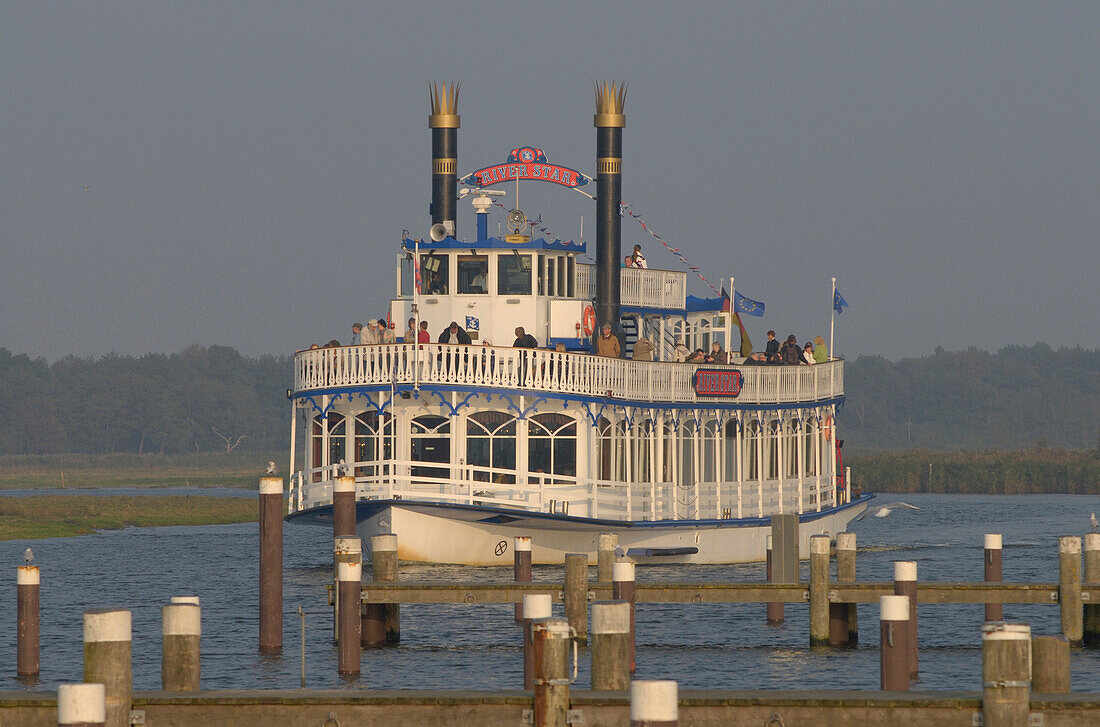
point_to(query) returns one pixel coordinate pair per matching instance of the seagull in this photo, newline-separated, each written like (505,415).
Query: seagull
(1094,522)
(86,189)
(28,555)
(885,510)
(341,469)
(271,468)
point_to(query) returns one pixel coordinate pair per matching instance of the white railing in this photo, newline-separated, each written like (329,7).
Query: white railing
(552,371)
(639,287)
(469,485)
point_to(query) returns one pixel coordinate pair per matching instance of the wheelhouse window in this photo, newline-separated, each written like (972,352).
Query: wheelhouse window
(514,275)
(434,274)
(473,275)
(491,446)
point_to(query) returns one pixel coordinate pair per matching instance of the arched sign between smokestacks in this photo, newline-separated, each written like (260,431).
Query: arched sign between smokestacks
(526,162)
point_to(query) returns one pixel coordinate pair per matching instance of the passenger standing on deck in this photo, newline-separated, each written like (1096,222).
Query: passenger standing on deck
(628,262)
(423,336)
(606,344)
(808,354)
(410,332)
(639,258)
(643,349)
(717,355)
(821,353)
(524,339)
(681,353)
(370,335)
(454,333)
(356,334)
(790,352)
(771,352)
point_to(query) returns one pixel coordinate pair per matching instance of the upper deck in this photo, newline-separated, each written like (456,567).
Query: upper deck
(578,375)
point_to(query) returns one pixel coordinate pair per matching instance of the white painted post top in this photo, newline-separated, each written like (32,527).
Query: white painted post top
(181,619)
(819,545)
(185,599)
(344,484)
(27,575)
(622,571)
(523,544)
(1006,631)
(537,605)
(556,628)
(607,541)
(1069,544)
(271,486)
(905,571)
(81,704)
(107,625)
(1092,542)
(768,542)
(992,541)
(654,701)
(893,608)
(347,544)
(349,572)
(383,544)
(845,541)
(610,617)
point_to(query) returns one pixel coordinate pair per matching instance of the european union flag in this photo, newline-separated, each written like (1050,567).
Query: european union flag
(839,304)
(748,306)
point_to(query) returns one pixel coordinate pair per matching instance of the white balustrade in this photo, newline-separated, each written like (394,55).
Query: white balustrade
(553,371)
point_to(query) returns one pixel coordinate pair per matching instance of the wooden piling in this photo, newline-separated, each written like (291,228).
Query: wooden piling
(605,555)
(576,595)
(521,551)
(349,595)
(622,589)
(844,617)
(107,660)
(610,645)
(819,590)
(345,549)
(82,705)
(654,704)
(1050,665)
(773,610)
(905,584)
(27,580)
(993,543)
(382,621)
(343,506)
(1069,588)
(1006,674)
(893,647)
(551,641)
(180,662)
(1090,633)
(271,564)
(535,607)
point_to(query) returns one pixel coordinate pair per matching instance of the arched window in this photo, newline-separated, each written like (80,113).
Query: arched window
(811,428)
(711,433)
(749,441)
(334,422)
(491,443)
(791,446)
(373,442)
(645,449)
(430,441)
(730,445)
(771,449)
(552,444)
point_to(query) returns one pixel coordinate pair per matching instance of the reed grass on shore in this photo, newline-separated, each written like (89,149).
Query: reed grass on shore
(60,471)
(59,516)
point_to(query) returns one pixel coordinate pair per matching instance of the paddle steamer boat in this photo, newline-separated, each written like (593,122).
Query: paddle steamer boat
(458,448)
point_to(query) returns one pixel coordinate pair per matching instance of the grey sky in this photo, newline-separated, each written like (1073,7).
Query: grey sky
(251,165)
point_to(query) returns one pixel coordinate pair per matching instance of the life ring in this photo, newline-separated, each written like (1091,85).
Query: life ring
(828,428)
(589,320)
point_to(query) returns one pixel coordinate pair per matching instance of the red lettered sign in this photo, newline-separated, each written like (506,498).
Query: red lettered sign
(717,382)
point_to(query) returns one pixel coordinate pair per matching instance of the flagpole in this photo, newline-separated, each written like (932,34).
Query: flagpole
(729,327)
(832,318)
(416,311)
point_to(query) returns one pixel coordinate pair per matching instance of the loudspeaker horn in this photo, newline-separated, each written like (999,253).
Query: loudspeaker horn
(438,232)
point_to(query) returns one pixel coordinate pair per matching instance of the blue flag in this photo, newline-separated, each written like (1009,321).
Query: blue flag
(748,306)
(839,304)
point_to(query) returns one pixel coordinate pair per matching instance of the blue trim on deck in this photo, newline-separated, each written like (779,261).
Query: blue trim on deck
(365,509)
(439,389)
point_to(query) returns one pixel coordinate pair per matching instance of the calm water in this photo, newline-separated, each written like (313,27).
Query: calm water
(701,646)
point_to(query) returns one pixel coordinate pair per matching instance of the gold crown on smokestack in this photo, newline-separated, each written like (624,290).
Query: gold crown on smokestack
(444,98)
(610,101)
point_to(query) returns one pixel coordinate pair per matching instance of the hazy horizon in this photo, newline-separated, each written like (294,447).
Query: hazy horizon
(203,173)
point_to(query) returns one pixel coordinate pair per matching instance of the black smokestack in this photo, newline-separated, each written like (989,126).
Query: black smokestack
(609,122)
(444,122)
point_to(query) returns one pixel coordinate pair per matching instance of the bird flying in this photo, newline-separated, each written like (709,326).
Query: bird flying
(884,510)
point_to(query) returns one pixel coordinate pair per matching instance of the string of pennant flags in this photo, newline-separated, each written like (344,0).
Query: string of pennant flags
(624,209)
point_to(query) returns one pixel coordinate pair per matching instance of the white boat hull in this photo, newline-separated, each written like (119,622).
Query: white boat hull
(435,533)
